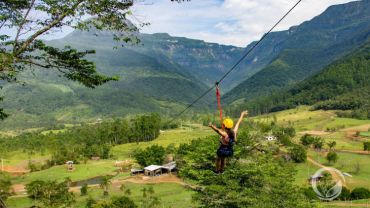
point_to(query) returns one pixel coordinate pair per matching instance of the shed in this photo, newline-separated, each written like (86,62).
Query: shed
(153,170)
(169,167)
(70,166)
(136,171)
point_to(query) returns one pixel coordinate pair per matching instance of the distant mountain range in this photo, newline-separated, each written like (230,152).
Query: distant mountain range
(164,73)
(306,49)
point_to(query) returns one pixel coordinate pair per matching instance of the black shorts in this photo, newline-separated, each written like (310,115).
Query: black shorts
(225,151)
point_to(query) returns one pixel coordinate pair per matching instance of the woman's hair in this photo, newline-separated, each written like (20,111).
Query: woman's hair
(229,131)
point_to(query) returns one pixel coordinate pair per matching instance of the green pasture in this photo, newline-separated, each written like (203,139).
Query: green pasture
(170,195)
(82,171)
(304,120)
(347,163)
(343,143)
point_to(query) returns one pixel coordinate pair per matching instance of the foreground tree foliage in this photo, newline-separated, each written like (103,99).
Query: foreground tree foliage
(51,193)
(254,177)
(31,19)
(5,186)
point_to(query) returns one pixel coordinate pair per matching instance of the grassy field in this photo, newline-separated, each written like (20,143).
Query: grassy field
(82,171)
(365,134)
(305,120)
(347,163)
(176,136)
(170,195)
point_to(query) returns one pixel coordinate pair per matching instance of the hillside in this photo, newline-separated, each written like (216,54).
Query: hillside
(160,74)
(309,48)
(343,85)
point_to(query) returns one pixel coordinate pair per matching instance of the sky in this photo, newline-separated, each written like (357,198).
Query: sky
(230,22)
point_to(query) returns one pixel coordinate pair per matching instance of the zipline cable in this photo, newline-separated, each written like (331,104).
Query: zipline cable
(238,62)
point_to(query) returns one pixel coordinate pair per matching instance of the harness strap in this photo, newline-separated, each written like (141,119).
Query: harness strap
(218,96)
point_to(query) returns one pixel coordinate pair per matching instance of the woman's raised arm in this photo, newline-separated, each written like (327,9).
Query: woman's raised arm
(244,113)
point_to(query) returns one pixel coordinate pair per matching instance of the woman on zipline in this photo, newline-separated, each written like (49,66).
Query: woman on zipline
(227,139)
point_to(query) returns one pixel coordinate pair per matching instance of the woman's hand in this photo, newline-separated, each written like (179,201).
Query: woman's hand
(244,113)
(210,125)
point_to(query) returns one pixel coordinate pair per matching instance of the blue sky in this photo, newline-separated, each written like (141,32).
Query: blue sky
(232,22)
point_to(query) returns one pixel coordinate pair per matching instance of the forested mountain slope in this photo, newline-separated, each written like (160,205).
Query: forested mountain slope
(310,47)
(343,85)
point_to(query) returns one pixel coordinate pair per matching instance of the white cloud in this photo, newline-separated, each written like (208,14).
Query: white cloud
(233,22)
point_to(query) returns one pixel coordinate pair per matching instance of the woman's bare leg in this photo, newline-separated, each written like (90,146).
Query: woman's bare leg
(218,164)
(222,164)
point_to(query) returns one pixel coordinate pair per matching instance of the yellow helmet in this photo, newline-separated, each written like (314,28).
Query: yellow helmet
(228,123)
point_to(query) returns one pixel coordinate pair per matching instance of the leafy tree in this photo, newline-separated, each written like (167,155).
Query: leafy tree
(122,202)
(307,140)
(171,148)
(5,186)
(332,144)
(83,189)
(332,157)
(50,193)
(104,184)
(32,19)
(252,178)
(318,143)
(366,146)
(153,155)
(298,153)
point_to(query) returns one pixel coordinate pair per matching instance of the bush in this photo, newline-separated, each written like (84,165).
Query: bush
(153,155)
(366,146)
(309,193)
(345,194)
(307,140)
(5,186)
(360,193)
(332,157)
(298,153)
(84,190)
(318,143)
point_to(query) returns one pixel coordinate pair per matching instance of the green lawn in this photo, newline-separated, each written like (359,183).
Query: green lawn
(170,195)
(81,172)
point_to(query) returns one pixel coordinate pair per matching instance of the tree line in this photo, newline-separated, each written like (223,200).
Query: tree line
(85,141)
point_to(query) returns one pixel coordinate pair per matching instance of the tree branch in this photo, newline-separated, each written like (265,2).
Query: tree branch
(46,28)
(22,24)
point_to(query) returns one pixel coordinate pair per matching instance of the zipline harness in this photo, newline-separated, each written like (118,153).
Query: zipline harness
(218,96)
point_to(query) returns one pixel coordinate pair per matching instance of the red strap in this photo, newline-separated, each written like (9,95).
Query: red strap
(218,96)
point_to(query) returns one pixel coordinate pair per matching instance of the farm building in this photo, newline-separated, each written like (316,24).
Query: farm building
(70,166)
(155,170)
